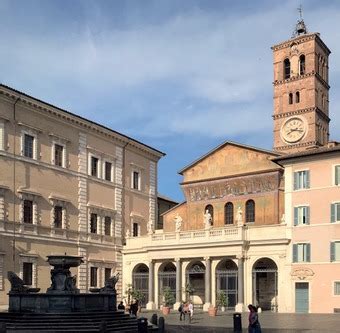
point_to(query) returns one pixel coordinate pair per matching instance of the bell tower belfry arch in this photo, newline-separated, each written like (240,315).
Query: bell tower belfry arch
(301,90)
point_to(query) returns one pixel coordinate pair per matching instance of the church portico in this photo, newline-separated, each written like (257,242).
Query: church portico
(245,273)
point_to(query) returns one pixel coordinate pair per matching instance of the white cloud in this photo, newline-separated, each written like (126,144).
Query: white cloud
(223,64)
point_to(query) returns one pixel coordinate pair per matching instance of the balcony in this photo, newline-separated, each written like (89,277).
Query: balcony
(22,230)
(230,235)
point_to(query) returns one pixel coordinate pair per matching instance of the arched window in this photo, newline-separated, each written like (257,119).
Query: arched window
(286,69)
(297,97)
(250,211)
(210,210)
(302,64)
(290,98)
(229,213)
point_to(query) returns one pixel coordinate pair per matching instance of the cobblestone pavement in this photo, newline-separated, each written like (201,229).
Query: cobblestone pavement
(270,322)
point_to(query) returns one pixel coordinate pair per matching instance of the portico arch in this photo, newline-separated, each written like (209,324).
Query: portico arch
(265,288)
(195,283)
(166,278)
(226,281)
(140,281)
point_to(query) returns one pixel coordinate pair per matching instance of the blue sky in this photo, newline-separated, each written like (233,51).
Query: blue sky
(181,76)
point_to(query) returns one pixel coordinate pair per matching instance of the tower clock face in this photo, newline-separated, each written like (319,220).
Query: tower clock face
(293,129)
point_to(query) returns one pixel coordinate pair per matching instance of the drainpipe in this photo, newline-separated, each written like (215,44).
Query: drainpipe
(123,191)
(14,180)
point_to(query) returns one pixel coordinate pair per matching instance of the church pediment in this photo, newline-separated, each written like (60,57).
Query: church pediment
(229,159)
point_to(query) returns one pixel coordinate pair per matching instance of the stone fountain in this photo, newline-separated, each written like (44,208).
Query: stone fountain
(63,294)
(63,308)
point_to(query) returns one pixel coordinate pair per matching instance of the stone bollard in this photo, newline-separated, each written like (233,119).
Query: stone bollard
(154,319)
(2,327)
(161,325)
(142,325)
(237,319)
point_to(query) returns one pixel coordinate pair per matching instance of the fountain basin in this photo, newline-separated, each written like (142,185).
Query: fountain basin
(64,261)
(61,302)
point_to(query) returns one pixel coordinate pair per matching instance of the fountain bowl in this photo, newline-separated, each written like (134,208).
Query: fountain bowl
(65,260)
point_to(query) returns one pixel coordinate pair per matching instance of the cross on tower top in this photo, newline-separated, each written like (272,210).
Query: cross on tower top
(300,27)
(300,11)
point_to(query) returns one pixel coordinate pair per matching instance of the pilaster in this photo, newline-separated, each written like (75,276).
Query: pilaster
(152,194)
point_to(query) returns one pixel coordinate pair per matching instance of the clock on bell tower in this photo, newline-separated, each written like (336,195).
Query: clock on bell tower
(301,118)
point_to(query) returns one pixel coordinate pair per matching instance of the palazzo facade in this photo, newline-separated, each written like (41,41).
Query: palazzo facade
(68,185)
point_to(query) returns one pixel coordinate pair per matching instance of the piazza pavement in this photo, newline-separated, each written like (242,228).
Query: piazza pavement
(270,322)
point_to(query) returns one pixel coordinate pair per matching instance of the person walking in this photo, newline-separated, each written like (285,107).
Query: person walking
(182,311)
(254,324)
(191,310)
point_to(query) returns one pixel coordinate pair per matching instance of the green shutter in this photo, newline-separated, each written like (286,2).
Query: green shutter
(307,212)
(333,211)
(296,177)
(308,254)
(337,175)
(332,251)
(295,253)
(296,215)
(307,179)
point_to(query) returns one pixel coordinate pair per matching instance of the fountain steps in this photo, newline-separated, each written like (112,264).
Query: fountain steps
(69,322)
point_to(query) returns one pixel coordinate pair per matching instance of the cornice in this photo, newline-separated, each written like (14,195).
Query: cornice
(234,176)
(297,145)
(301,111)
(302,39)
(76,120)
(300,77)
(299,39)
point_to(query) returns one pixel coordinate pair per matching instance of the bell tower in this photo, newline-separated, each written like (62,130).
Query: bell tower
(301,115)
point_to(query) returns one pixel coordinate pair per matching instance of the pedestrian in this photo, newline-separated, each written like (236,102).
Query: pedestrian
(181,311)
(134,308)
(191,310)
(121,306)
(254,324)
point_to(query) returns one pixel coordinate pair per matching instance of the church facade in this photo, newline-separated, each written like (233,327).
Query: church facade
(235,231)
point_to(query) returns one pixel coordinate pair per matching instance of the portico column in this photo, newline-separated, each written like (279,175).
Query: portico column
(178,283)
(240,283)
(151,302)
(207,281)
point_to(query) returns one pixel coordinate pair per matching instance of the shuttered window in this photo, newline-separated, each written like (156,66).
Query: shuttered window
(335,251)
(301,215)
(337,175)
(301,252)
(301,180)
(335,212)
(337,288)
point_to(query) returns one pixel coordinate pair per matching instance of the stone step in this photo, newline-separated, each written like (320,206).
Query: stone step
(69,322)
